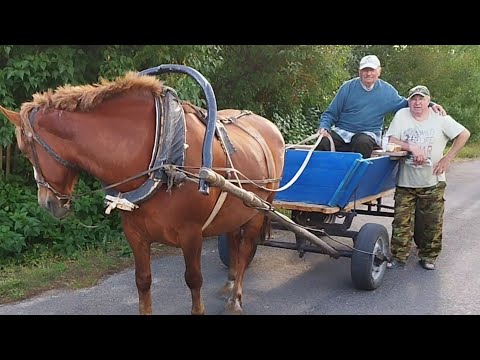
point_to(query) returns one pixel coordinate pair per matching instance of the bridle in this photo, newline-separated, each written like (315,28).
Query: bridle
(39,178)
(28,131)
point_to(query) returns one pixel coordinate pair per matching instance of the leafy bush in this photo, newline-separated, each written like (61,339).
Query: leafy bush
(298,126)
(26,227)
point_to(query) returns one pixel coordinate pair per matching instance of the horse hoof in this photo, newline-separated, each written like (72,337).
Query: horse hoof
(198,310)
(233,307)
(199,313)
(226,291)
(145,310)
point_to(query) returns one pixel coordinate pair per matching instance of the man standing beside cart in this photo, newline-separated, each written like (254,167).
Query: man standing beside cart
(421,183)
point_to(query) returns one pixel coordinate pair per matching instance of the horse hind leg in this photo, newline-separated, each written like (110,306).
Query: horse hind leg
(192,253)
(233,244)
(234,240)
(244,241)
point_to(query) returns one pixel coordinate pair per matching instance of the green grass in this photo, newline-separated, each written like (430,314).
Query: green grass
(470,151)
(47,271)
(18,282)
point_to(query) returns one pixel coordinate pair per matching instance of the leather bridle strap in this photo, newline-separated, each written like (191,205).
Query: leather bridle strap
(39,178)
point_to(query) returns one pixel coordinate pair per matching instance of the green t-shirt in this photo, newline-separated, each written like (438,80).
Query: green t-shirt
(432,135)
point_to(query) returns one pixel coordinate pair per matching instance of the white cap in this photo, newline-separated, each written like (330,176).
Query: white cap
(369,61)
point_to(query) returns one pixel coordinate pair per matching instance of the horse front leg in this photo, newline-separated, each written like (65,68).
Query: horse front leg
(245,241)
(192,253)
(143,273)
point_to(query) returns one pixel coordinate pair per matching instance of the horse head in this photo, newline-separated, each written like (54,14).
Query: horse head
(55,176)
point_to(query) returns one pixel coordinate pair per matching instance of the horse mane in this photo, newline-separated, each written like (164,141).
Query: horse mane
(86,97)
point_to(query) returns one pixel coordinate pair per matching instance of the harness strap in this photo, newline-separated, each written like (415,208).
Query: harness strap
(260,140)
(216,209)
(27,129)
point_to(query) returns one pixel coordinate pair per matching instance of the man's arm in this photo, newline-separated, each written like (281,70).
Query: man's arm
(418,153)
(458,143)
(330,116)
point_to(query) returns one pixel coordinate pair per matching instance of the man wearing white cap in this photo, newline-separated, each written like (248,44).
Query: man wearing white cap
(421,181)
(356,115)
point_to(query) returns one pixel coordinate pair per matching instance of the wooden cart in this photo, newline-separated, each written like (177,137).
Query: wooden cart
(325,199)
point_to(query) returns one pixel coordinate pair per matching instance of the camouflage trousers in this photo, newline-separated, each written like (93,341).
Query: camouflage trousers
(431,204)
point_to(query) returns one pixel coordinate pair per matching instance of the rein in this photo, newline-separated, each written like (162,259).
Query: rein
(172,168)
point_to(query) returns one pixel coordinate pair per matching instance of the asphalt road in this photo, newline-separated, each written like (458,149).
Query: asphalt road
(279,282)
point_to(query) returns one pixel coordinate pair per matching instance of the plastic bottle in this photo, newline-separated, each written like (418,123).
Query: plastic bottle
(384,142)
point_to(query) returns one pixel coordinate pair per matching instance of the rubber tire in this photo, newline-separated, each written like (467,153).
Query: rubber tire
(224,251)
(365,274)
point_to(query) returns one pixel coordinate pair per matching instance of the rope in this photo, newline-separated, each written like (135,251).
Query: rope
(295,177)
(307,158)
(311,137)
(235,171)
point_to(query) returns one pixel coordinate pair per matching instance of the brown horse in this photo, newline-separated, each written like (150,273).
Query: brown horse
(109,131)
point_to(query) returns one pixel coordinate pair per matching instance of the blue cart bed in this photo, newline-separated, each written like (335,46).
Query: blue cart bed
(334,181)
(330,188)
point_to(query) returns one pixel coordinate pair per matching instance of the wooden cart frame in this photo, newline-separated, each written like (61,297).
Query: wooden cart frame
(370,250)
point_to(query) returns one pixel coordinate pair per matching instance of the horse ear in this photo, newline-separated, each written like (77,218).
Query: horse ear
(13,116)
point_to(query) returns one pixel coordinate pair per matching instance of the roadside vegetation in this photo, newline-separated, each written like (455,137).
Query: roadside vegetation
(289,84)
(470,151)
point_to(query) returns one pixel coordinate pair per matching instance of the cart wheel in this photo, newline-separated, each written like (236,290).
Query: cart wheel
(224,251)
(419,228)
(366,270)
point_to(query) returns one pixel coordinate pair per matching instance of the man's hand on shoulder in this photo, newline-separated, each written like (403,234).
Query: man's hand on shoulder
(439,109)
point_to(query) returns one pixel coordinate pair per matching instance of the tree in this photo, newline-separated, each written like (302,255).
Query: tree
(284,83)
